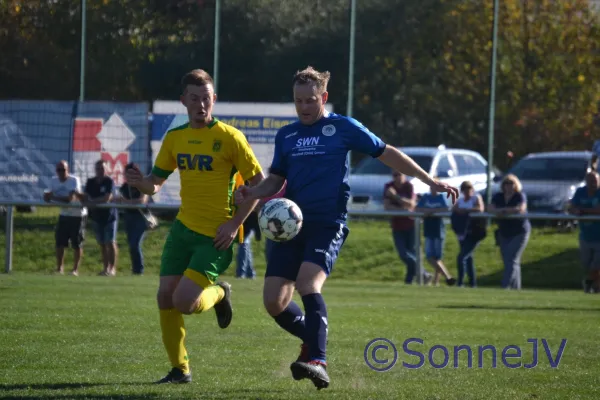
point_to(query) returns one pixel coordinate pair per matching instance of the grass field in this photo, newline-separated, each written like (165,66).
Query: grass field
(98,338)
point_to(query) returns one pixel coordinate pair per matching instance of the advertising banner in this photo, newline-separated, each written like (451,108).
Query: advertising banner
(258,121)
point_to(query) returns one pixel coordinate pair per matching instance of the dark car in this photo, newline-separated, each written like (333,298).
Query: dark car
(550,179)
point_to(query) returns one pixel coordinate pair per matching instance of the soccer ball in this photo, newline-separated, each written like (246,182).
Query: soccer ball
(280,219)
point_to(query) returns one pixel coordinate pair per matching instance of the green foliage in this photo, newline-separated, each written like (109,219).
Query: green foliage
(422,67)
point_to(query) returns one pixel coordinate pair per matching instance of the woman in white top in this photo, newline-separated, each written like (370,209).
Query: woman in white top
(469,202)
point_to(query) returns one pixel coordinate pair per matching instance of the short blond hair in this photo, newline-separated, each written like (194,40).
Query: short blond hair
(311,75)
(510,178)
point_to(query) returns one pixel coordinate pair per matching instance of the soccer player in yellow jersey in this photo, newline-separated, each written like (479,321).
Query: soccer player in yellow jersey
(210,157)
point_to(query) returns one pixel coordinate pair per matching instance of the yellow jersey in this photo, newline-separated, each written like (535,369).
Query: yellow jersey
(212,162)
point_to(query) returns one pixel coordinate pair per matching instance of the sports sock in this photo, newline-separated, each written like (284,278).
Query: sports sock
(292,320)
(209,297)
(316,325)
(173,335)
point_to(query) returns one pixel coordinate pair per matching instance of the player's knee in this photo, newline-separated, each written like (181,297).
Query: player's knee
(309,286)
(306,288)
(164,299)
(274,306)
(184,307)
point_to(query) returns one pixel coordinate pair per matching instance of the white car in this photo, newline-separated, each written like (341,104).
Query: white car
(449,165)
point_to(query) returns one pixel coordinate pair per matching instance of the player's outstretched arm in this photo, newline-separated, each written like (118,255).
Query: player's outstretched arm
(226,232)
(247,207)
(400,162)
(266,188)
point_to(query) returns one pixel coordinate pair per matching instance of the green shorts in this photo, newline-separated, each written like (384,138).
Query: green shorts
(186,249)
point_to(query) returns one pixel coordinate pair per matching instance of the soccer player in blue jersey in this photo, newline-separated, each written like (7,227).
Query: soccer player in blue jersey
(312,155)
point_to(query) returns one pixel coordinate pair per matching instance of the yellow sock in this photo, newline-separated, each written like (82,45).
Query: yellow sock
(173,335)
(209,297)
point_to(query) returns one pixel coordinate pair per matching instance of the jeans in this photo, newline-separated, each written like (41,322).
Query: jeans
(512,249)
(135,227)
(405,245)
(245,260)
(106,232)
(464,261)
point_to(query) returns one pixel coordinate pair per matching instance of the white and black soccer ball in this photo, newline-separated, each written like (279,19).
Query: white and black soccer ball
(280,219)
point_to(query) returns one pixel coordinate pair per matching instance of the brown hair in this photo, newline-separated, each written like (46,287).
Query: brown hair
(197,77)
(466,185)
(311,75)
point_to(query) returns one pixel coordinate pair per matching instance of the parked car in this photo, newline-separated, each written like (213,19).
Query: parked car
(550,179)
(449,165)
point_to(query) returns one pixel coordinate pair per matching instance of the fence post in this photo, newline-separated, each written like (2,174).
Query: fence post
(419,264)
(9,239)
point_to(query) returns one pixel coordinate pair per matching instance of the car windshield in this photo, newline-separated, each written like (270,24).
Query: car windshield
(374,166)
(551,169)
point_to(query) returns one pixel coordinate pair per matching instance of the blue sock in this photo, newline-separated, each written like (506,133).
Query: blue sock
(316,325)
(292,320)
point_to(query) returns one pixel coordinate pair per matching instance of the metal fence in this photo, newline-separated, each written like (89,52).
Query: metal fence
(418,217)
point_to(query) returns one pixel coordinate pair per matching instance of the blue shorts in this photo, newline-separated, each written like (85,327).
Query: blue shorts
(105,232)
(317,244)
(434,248)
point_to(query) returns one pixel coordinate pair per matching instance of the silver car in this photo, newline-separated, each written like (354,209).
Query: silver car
(550,179)
(449,165)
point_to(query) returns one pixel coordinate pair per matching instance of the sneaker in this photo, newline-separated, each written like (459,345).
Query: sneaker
(316,371)
(588,286)
(451,281)
(427,279)
(176,376)
(223,309)
(74,273)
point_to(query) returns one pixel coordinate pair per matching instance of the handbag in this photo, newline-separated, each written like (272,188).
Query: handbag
(151,220)
(477,228)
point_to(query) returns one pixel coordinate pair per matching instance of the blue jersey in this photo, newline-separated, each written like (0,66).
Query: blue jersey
(314,161)
(433,227)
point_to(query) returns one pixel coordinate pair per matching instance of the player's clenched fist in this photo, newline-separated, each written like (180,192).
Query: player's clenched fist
(242,194)
(133,175)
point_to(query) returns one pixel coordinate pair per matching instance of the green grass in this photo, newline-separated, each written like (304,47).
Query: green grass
(98,338)
(551,259)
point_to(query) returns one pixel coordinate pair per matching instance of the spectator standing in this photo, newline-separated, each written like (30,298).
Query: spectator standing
(399,195)
(468,231)
(434,231)
(586,201)
(513,234)
(135,223)
(99,190)
(66,188)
